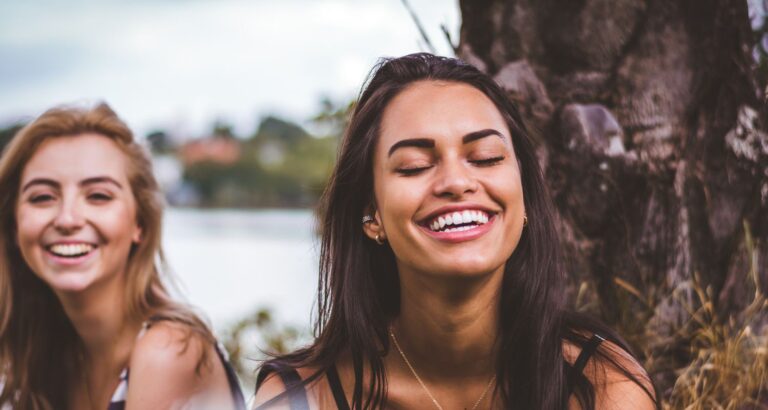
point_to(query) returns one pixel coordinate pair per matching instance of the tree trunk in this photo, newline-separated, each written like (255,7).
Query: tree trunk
(652,141)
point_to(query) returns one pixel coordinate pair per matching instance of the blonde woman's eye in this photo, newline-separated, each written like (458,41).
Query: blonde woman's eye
(40,198)
(99,197)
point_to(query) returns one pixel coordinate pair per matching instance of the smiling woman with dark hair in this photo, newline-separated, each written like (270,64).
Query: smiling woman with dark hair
(85,319)
(440,269)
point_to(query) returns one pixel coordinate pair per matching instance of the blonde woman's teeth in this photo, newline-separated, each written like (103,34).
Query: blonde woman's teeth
(71,249)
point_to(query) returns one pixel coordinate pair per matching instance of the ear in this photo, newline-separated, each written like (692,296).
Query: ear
(137,231)
(374,228)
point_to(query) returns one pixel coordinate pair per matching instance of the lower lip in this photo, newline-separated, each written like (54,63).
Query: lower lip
(461,236)
(62,260)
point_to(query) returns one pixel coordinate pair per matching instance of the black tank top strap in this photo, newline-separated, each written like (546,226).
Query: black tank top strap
(295,388)
(338,391)
(234,384)
(587,352)
(294,391)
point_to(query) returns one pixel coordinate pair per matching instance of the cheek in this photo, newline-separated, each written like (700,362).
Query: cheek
(29,229)
(506,186)
(397,204)
(118,224)
(29,225)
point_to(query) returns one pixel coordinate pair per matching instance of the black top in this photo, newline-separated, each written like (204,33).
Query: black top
(297,395)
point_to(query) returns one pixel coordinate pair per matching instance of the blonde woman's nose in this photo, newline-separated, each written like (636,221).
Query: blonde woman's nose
(69,216)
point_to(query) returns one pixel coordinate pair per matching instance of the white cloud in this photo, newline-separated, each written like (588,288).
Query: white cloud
(182,64)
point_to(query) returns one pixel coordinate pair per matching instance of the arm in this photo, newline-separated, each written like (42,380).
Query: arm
(164,371)
(614,390)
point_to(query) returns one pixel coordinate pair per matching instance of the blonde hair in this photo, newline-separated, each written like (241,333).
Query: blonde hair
(38,345)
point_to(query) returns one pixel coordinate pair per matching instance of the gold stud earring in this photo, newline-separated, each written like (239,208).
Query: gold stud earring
(525,220)
(379,239)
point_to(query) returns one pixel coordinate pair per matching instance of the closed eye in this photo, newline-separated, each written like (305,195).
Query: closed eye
(488,161)
(410,171)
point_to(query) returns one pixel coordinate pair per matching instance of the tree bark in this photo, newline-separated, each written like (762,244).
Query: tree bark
(652,138)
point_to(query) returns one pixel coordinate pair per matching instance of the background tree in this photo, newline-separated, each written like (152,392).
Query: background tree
(7,133)
(651,126)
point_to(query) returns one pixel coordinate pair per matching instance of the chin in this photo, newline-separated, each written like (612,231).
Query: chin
(468,268)
(69,282)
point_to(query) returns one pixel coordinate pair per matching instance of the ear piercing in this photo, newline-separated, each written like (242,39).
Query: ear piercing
(379,239)
(367,218)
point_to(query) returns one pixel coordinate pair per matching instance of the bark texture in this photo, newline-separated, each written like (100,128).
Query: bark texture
(652,135)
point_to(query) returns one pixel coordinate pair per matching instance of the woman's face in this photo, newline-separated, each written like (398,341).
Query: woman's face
(446,182)
(75,212)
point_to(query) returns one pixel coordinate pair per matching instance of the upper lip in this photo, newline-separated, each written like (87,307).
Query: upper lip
(69,242)
(455,208)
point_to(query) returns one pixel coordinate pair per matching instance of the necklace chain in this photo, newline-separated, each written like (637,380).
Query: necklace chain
(424,386)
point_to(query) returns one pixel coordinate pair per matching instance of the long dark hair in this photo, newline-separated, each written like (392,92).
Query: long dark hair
(359,293)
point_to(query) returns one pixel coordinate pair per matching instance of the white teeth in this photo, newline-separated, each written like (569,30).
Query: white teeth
(71,249)
(443,222)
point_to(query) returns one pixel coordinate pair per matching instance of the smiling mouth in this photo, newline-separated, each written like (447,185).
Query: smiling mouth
(459,221)
(71,250)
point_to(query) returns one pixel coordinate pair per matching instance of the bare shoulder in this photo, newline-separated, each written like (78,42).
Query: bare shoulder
(611,371)
(172,349)
(272,389)
(269,390)
(171,365)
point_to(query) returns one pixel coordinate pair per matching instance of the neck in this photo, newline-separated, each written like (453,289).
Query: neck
(449,326)
(101,322)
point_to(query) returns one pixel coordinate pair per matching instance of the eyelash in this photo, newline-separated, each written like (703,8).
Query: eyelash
(98,196)
(36,199)
(488,161)
(412,171)
(485,162)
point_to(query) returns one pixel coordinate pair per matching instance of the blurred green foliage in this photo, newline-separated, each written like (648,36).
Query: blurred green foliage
(255,338)
(280,165)
(7,133)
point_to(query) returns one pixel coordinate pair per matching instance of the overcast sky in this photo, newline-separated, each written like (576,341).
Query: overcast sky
(181,64)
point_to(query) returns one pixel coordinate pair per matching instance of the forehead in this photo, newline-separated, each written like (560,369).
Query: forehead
(77,157)
(438,109)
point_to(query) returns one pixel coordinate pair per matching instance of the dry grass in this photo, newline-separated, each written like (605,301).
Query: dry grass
(729,367)
(730,364)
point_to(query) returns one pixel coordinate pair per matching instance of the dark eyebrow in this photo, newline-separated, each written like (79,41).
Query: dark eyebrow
(476,135)
(88,181)
(415,142)
(430,143)
(99,180)
(40,181)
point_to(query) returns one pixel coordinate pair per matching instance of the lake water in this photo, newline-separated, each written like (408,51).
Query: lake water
(229,263)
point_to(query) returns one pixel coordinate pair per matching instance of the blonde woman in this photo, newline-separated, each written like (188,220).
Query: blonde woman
(85,320)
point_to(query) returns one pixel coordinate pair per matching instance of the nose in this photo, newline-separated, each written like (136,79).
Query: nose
(69,218)
(454,179)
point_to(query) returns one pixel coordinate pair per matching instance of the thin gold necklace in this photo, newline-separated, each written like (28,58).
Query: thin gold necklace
(424,386)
